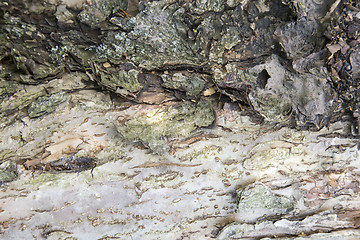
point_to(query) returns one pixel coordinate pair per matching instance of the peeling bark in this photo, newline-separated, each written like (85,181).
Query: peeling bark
(184,120)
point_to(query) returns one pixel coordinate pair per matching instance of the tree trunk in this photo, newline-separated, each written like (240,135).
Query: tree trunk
(179,120)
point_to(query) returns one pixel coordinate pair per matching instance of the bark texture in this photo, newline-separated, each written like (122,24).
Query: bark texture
(204,119)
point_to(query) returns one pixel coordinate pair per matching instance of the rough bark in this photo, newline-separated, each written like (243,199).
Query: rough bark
(179,120)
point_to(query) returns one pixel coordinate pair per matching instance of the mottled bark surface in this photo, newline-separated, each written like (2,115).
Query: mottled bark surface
(179,119)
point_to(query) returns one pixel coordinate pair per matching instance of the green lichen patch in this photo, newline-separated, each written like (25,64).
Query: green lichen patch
(153,126)
(261,197)
(50,179)
(44,105)
(191,85)
(258,201)
(265,159)
(228,40)
(26,51)
(233,229)
(273,107)
(147,46)
(18,103)
(123,82)
(7,172)
(71,42)
(7,88)
(96,13)
(26,96)
(202,6)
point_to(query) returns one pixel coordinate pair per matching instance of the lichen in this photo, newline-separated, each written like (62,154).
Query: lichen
(96,13)
(191,85)
(273,107)
(7,172)
(21,102)
(154,127)
(123,82)
(44,105)
(25,97)
(175,50)
(259,197)
(147,46)
(7,88)
(234,228)
(51,179)
(202,6)
(26,46)
(71,43)
(228,40)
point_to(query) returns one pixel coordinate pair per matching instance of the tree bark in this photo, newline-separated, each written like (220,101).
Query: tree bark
(179,120)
